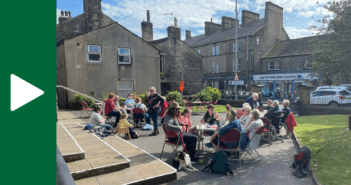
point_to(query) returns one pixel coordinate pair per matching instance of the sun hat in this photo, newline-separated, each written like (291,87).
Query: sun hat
(174,105)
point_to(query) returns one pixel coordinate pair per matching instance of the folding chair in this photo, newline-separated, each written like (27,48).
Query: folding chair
(138,115)
(175,146)
(268,133)
(247,150)
(231,136)
(86,109)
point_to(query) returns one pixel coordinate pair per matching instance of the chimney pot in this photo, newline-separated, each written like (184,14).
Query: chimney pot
(211,19)
(66,13)
(175,21)
(69,14)
(62,13)
(148,15)
(187,34)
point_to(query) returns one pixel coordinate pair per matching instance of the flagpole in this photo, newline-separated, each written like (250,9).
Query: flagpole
(236,47)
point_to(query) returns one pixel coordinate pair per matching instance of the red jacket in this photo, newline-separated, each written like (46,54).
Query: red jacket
(109,106)
(290,120)
(163,109)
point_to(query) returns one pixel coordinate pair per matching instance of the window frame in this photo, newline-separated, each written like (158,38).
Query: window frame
(275,66)
(118,90)
(213,66)
(130,55)
(239,47)
(90,52)
(258,41)
(217,66)
(213,50)
(239,65)
(234,47)
(304,63)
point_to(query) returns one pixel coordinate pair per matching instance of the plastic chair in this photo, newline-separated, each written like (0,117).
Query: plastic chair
(247,150)
(231,136)
(86,109)
(174,145)
(125,131)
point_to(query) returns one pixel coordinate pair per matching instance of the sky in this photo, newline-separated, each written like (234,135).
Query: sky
(192,14)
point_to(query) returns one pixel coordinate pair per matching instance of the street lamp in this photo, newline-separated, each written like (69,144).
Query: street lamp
(236,47)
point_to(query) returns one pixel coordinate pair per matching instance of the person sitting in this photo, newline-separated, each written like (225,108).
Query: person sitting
(172,123)
(111,109)
(269,105)
(246,117)
(211,117)
(252,100)
(286,110)
(233,123)
(163,111)
(142,106)
(123,124)
(128,104)
(272,115)
(251,128)
(116,101)
(97,119)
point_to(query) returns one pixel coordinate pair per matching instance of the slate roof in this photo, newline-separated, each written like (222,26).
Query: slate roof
(157,42)
(301,46)
(229,34)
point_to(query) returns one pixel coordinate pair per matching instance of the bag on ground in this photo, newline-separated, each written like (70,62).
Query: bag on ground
(148,127)
(219,164)
(302,158)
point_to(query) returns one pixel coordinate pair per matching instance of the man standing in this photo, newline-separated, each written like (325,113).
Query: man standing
(154,107)
(252,100)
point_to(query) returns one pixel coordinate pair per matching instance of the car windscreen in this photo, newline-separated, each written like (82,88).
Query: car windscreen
(323,93)
(345,93)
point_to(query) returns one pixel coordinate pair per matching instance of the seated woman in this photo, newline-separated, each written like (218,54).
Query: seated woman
(211,118)
(269,105)
(246,117)
(233,123)
(142,106)
(123,124)
(116,101)
(111,109)
(172,123)
(286,110)
(251,128)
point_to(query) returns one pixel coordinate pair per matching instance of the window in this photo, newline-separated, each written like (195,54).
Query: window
(213,50)
(258,41)
(94,53)
(239,46)
(124,56)
(124,88)
(198,51)
(215,66)
(345,93)
(162,58)
(274,66)
(239,65)
(217,50)
(234,48)
(308,62)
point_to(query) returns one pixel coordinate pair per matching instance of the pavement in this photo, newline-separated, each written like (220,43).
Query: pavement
(273,169)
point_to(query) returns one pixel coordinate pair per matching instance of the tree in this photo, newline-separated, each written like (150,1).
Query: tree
(332,58)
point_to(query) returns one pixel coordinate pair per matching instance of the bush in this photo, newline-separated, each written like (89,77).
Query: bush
(144,98)
(174,95)
(208,94)
(76,104)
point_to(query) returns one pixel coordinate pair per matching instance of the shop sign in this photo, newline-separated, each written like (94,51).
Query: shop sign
(284,77)
(214,77)
(232,82)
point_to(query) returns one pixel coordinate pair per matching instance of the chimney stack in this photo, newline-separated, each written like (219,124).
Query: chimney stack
(93,14)
(65,15)
(62,13)
(69,14)
(228,22)
(247,17)
(211,27)
(187,34)
(174,31)
(146,28)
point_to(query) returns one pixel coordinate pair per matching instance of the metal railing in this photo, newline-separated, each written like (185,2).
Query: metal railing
(68,89)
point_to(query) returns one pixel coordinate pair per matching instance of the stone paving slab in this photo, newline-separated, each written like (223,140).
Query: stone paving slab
(106,161)
(99,152)
(87,181)
(81,165)
(120,177)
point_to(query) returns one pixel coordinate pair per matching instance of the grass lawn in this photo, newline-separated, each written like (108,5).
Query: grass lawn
(218,108)
(327,132)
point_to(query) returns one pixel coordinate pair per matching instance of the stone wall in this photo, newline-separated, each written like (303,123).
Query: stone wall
(286,63)
(322,110)
(184,59)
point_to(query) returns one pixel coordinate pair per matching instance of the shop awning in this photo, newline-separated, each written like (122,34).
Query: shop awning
(285,76)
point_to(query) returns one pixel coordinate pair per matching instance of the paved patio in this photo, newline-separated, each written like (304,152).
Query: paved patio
(273,169)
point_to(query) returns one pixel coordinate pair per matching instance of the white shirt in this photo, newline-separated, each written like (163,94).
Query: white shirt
(94,119)
(244,120)
(255,141)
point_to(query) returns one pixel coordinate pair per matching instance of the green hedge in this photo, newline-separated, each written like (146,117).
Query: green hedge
(174,95)
(76,104)
(208,94)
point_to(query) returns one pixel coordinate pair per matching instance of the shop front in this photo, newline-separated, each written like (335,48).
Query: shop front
(282,86)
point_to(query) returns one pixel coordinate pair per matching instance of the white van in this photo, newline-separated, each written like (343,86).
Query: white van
(333,97)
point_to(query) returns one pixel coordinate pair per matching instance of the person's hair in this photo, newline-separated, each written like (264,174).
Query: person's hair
(286,103)
(269,100)
(137,100)
(247,107)
(111,95)
(256,114)
(153,88)
(210,106)
(164,98)
(186,111)
(232,114)
(255,95)
(130,94)
(275,103)
(124,116)
(98,108)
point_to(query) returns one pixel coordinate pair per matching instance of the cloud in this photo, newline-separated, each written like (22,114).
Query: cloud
(58,14)
(314,12)
(295,33)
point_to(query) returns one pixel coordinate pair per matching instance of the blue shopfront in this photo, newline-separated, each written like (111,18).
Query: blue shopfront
(281,86)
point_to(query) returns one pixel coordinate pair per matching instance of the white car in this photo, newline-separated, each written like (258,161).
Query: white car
(332,97)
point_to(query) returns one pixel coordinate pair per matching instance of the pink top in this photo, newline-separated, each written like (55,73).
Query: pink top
(186,121)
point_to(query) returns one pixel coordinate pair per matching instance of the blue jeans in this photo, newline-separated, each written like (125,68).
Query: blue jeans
(153,116)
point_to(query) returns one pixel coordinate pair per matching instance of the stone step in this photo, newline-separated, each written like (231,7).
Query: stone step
(70,149)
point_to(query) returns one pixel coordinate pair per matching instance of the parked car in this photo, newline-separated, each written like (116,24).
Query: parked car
(333,97)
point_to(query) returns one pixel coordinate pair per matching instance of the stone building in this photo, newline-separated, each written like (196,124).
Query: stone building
(96,55)
(217,46)
(178,61)
(287,65)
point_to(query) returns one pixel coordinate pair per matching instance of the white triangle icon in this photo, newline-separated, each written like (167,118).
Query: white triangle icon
(22,92)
